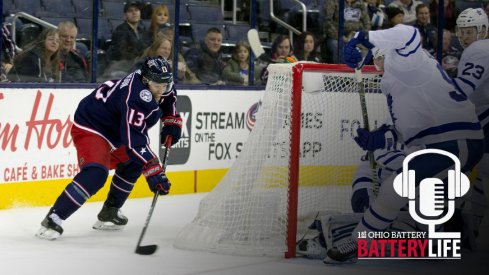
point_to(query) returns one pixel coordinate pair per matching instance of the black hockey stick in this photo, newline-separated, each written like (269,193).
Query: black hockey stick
(150,249)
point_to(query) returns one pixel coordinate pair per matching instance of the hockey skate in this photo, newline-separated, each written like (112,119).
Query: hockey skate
(311,248)
(110,218)
(50,227)
(343,253)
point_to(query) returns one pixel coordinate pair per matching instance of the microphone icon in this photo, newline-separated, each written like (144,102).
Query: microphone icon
(429,208)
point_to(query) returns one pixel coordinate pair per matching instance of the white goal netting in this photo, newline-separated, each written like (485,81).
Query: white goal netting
(248,212)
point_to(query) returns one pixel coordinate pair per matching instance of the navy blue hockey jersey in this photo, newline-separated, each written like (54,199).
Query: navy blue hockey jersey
(122,111)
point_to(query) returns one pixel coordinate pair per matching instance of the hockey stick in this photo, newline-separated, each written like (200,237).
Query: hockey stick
(256,47)
(150,249)
(366,124)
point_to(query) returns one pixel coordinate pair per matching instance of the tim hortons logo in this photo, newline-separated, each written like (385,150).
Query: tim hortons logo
(40,130)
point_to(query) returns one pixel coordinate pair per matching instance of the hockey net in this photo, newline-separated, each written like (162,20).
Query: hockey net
(299,159)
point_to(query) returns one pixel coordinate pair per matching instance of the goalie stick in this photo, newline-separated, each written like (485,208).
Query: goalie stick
(366,124)
(150,249)
(256,47)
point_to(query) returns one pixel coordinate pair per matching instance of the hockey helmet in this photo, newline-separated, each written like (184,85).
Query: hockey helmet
(473,18)
(157,69)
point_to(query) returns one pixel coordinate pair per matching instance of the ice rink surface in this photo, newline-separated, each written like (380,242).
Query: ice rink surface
(84,251)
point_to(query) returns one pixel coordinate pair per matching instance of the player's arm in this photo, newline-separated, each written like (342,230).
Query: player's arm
(472,72)
(402,38)
(134,131)
(405,40)
(170,119)
(139,117)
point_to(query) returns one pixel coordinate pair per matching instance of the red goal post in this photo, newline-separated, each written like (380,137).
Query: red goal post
(299,159)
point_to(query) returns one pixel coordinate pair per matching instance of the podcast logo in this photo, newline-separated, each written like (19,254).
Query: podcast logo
(431,202)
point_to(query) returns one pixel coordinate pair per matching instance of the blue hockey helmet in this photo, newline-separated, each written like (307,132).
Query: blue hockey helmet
(157,69)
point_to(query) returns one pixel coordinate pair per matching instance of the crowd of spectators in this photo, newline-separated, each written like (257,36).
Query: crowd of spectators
(55,57)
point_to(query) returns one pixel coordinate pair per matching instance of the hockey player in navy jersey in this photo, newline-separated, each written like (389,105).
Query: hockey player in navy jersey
(110,131)
(426,111)
(472,81)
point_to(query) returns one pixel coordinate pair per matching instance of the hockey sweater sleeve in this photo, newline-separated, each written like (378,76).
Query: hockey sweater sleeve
(473,69)
(168,103)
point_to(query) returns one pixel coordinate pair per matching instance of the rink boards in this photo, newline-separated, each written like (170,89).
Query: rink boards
(38,158)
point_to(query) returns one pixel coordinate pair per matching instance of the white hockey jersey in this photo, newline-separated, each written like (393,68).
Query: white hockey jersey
(473,77)
(422,101)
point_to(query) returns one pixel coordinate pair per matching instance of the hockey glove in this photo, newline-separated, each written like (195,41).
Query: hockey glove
(361,38)
(353,55)
(360,200)
(381,138)
(156,178)
(172,126)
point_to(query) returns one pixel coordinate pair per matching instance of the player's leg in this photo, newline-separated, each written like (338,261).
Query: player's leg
(478,197)
(126,175)
(93,157)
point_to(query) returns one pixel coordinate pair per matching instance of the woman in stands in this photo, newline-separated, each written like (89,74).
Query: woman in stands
(305,47)
(282,50)
(160,20)
(162,46)
(39,61)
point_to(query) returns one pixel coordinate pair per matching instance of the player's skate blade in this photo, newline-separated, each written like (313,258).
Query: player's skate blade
(110,218)
(50,227)
(146,249)
(47,234)
(100,225)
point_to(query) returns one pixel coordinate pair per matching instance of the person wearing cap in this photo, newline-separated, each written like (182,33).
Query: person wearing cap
(409,9)
(395,15)
(128,38)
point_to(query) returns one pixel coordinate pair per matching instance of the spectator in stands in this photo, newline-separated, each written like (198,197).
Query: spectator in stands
(450,53)
(356,18)
(450,14)
(160,20)
(74,66)
(409,8)
(168,33)
(282,50)
(305,47)
(375,10)
(162,46)
(237,70)
(281,53)
(127,39)
(425,28)
(206,59)
(395,15)
(39,61)
(7,54)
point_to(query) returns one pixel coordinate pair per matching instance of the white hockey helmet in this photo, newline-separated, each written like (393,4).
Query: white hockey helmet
(473,18)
